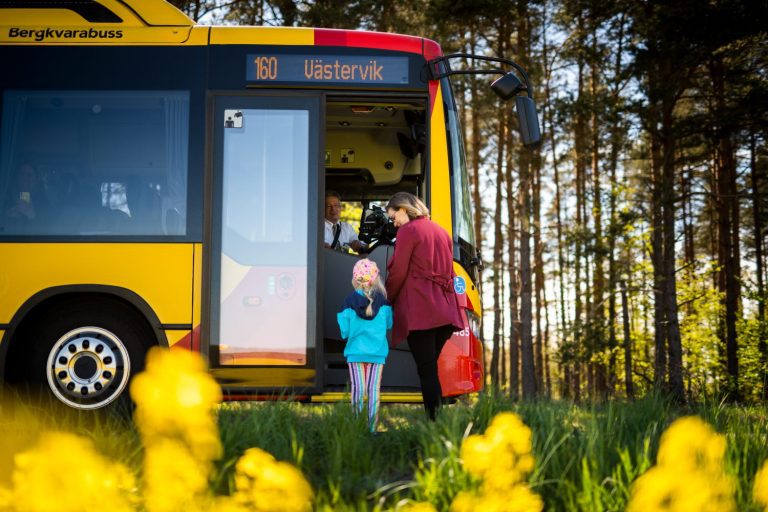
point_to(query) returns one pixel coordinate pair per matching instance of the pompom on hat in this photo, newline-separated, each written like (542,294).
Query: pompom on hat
(365,271)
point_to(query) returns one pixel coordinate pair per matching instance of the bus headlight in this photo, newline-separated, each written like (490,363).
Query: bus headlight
(474,323)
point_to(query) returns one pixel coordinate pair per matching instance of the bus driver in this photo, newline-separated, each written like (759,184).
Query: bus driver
(339,234)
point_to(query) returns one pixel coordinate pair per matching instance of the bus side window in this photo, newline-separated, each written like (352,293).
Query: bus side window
(144,202)
(119,159)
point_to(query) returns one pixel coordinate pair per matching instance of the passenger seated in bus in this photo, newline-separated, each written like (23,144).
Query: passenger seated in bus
(339,235)
(26,195)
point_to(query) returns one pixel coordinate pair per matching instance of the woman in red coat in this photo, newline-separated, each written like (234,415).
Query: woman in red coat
(420,287)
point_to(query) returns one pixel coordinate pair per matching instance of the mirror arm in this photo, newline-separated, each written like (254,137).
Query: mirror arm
(436,73)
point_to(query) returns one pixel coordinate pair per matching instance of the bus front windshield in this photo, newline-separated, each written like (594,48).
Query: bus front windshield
(463,229)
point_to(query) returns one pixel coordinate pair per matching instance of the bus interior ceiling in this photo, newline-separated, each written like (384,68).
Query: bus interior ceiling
(373,149)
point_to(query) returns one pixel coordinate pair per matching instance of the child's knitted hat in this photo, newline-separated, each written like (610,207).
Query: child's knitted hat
(365,271)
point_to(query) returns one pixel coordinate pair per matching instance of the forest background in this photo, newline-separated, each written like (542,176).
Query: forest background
(626,254)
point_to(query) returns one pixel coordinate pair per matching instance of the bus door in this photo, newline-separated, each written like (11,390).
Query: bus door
(264,246)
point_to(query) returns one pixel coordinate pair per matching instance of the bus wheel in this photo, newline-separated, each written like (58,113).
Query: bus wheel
(87,365)
(88,368)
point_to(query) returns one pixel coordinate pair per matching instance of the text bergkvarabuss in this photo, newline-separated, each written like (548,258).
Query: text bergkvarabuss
(53,33)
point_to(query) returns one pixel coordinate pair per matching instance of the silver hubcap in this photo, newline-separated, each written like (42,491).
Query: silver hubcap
(88,368)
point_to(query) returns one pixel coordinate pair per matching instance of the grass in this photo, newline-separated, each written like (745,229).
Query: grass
(587,456)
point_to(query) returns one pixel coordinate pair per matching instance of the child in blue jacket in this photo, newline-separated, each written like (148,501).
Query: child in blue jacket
(364,320)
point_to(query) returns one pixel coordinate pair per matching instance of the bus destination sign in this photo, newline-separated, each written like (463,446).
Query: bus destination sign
(327,69)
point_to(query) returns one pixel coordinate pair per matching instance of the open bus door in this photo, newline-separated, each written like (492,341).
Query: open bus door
(263,254)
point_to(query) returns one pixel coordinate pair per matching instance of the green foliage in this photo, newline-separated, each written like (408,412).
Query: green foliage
(752,368)
(701,310)
(586,457)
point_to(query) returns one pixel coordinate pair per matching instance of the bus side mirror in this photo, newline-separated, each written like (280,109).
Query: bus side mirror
(528,120)
(509,86)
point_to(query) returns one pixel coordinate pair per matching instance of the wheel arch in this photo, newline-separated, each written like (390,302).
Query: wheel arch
(49,297)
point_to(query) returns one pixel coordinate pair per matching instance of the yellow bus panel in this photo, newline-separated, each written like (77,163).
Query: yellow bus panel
(440,191)
(159,273)
(141,13)
(281,36)
(197,280)
(385,397)
(174,336)
(144,22)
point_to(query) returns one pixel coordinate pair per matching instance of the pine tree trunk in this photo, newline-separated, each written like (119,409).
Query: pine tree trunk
(660,324)
(728,236)
(668,200)
(562,320)
(526,313)
(617,139)
(538,259)
(758,236)
(598,289)
(514,286)
(498,247)
(628,385)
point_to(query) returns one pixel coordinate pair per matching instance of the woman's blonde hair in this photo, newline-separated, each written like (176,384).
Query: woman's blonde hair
(413,206)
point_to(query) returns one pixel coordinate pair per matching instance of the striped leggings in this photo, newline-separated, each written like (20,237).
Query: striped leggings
(365,378)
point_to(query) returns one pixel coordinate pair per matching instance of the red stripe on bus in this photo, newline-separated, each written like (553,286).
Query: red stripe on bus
(377,40)
(431,50)
(432,95)
(190,341)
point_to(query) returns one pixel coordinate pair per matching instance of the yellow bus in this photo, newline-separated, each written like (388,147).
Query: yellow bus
(163,183)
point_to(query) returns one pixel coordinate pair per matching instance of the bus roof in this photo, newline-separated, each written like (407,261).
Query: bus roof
(144,22)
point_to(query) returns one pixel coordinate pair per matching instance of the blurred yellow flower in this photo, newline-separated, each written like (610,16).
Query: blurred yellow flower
(6,499)
(760,490)
(264,484)
(173,479)
(64,472)
(417,507)
(688,475)
(502,459)
(518,498)
(464,502)
(176,397)
(501,456)
(690,444)
(227,504)
(19,430)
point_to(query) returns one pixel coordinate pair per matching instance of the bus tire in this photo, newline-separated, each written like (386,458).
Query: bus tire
(86,353)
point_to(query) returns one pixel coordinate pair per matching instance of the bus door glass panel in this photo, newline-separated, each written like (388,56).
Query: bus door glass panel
(263,289)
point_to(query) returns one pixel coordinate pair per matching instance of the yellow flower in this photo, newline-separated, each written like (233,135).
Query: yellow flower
(760,491)
(501,456)
(689,473)
(173,478)
(20,429)
(518,498)
(176,397)
(690,444)
(507,477)
(227,504)
(507,428)
(6,499)
(477,452)
(464,502)
(502,459)
(418,507)
(64,472)
(265,485)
